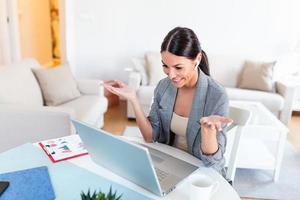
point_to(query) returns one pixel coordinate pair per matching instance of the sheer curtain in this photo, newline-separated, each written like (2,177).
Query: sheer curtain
(9,32)
(4,36)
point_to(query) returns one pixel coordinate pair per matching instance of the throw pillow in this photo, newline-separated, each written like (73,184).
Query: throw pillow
(58,85)
(257,76)
(154,67)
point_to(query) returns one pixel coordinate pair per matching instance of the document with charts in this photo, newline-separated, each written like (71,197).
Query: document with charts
(63,148)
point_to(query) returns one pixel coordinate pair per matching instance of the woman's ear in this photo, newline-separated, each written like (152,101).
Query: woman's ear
(198,60)
(197,64)
(199,57)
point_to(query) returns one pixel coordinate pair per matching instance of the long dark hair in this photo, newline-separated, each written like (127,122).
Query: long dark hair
(184,42)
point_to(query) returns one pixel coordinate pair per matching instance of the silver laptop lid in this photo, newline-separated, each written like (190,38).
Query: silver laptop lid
(128,160)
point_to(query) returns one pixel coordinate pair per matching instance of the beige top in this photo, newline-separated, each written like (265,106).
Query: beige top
(178,126)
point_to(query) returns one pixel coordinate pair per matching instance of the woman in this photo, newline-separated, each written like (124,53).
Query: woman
(189,107)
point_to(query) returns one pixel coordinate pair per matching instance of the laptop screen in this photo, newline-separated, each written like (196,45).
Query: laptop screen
(126,159)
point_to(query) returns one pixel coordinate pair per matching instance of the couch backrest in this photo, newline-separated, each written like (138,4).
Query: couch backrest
(18,84)
(226,69)
(27,62)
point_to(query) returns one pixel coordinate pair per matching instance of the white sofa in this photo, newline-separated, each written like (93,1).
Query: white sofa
(226,70)
(19,125)
(25,118)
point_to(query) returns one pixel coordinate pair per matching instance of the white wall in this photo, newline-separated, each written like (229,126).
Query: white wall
(1,56)
(102,36)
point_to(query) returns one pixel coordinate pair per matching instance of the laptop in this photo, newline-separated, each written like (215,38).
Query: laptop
(149,168)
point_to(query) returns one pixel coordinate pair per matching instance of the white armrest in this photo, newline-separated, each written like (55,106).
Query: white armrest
(89,86)
(139,65)
(134,80)
(135,83)
(22,125)
(287,91)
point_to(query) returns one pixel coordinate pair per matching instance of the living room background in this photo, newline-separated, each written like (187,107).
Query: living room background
(100,37)
(103,36)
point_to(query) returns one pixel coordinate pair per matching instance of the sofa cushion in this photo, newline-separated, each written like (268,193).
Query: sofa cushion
(87,108)
(19,86)
(154,67)
(58,84)
(257,76)
(273,101)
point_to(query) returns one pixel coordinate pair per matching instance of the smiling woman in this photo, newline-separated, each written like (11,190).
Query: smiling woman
(180,70)
(189,108)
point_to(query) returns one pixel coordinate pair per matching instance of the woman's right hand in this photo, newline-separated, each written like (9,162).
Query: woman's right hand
(121,89)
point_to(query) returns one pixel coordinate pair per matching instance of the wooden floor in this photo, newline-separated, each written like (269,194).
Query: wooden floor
(115,121)
(294,134)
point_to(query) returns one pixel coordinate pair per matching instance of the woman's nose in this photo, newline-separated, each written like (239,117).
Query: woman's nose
(171,74)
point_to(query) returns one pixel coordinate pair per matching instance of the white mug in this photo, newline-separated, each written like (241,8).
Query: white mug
(202,187)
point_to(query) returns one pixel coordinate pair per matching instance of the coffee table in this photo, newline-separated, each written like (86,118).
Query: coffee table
(263,140)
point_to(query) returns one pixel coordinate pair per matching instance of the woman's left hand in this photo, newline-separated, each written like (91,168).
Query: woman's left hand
(214,122)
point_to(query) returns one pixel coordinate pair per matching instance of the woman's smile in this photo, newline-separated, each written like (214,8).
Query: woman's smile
(177,81)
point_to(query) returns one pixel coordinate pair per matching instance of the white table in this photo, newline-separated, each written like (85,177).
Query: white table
(263,140)
(225,190)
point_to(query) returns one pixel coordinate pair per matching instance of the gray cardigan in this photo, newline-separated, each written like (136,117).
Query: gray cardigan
(210,98)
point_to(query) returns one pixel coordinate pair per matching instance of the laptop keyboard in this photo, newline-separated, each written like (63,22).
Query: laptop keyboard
(156,159)
(161,174)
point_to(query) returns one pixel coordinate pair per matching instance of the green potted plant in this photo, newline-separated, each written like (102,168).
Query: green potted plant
(100,195)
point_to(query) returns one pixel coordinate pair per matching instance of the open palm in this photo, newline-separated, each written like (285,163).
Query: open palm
(121,89)
(214,122)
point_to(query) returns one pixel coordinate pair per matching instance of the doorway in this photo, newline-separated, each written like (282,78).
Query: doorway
(36,31)
(55,31)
